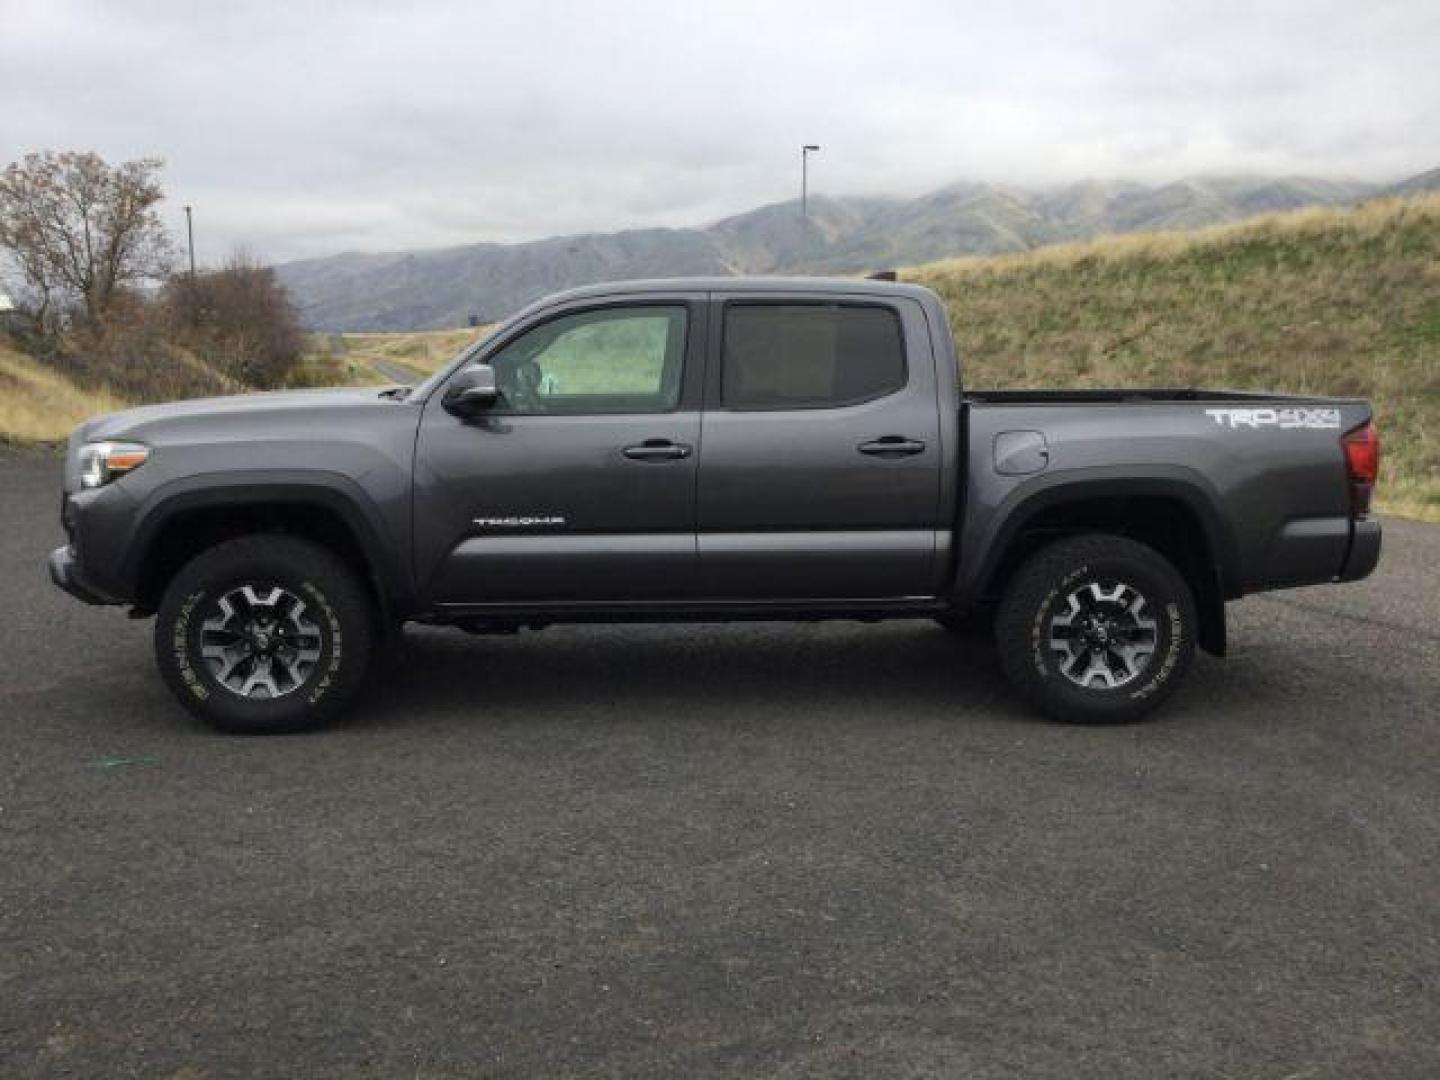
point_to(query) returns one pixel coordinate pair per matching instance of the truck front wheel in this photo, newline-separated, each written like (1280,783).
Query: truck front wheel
(264,633)
(1096,629)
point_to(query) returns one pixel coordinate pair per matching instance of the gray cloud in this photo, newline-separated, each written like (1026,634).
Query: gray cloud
(307,128)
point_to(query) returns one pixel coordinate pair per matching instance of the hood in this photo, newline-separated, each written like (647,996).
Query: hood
(134,422)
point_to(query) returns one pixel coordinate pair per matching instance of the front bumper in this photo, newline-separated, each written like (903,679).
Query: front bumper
(65,572)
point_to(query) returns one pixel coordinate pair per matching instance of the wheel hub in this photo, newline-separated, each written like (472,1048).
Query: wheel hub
(1103,636)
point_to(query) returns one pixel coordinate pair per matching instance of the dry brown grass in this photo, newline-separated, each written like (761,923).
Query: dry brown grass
(1342,302)
(40,405)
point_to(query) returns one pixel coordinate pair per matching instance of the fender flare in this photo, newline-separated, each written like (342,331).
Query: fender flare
(388,568)
(1177,484)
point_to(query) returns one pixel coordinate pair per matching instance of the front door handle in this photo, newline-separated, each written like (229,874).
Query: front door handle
(892,446)
(656,450)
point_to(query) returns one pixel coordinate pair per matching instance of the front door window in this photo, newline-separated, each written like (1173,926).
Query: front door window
(616,360)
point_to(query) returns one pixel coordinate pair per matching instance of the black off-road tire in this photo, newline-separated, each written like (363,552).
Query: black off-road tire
(1026,630)
(337,613)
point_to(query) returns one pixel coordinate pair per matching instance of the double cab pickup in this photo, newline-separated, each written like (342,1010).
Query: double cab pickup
(709,449)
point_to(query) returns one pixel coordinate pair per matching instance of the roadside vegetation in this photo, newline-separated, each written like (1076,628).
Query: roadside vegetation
(37,404)
(103,318)
(1343,302)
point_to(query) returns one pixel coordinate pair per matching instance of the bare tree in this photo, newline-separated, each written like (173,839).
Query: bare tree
(80,228)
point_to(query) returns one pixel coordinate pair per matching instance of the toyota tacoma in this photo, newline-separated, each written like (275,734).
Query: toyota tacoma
(698,450)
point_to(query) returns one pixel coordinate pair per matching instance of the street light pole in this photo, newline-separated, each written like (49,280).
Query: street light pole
(805,152)
(190,238)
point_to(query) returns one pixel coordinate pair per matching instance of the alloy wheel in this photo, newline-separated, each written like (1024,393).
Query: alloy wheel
(1103,636)
(260,641)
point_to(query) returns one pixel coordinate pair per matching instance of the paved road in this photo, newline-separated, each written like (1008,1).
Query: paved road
(755,851)
(395,372)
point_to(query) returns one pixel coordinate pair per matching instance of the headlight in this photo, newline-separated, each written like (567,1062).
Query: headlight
(101,462)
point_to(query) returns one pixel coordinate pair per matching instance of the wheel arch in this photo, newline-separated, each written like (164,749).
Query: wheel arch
(1175,515)
(179,524)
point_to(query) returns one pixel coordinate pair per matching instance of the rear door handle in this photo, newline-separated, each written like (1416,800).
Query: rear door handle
(892,446)
(656,450)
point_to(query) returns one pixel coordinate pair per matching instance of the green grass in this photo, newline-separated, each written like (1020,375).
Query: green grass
(1342,302)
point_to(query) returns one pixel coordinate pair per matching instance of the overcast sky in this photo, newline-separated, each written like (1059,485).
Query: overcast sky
(302,129)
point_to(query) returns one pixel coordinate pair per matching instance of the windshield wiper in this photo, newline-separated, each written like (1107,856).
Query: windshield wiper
(397,393)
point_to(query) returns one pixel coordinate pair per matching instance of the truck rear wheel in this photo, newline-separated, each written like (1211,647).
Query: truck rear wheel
(264,634)
(1096,629)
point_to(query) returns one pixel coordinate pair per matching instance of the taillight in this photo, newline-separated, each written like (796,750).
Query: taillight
(1362,459)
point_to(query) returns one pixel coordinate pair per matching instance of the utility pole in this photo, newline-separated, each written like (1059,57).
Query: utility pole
(190,237)
(805,152)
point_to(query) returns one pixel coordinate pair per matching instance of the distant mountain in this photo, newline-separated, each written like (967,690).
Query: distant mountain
(1416,185)
(419,290)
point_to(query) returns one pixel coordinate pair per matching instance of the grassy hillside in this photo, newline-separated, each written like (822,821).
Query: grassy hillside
(1318,301)
(40,405)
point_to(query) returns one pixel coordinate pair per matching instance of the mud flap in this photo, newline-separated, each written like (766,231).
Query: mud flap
(1210,607)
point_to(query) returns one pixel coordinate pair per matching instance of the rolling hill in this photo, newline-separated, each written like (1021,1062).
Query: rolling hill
(415,290)
(1318,301)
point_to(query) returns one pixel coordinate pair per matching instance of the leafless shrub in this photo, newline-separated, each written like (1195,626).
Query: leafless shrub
(133,353)
(239,319)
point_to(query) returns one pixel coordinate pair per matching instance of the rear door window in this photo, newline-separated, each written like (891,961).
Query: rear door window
(809,356)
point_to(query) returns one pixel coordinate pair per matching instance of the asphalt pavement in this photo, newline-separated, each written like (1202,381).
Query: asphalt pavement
(396,372)
(747,850)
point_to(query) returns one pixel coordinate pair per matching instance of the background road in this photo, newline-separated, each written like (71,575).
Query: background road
(738,850)
(399,373)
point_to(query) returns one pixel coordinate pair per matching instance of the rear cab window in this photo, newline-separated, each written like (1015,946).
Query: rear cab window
(809,355)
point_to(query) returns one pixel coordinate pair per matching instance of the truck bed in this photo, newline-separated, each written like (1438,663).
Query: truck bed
(1261,476)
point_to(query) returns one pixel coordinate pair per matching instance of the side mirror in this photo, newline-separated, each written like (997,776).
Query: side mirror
(473,391)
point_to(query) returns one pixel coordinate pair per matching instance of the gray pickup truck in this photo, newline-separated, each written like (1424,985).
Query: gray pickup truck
(698,450)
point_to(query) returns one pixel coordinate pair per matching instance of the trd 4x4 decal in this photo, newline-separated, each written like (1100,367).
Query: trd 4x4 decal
(1281,418)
